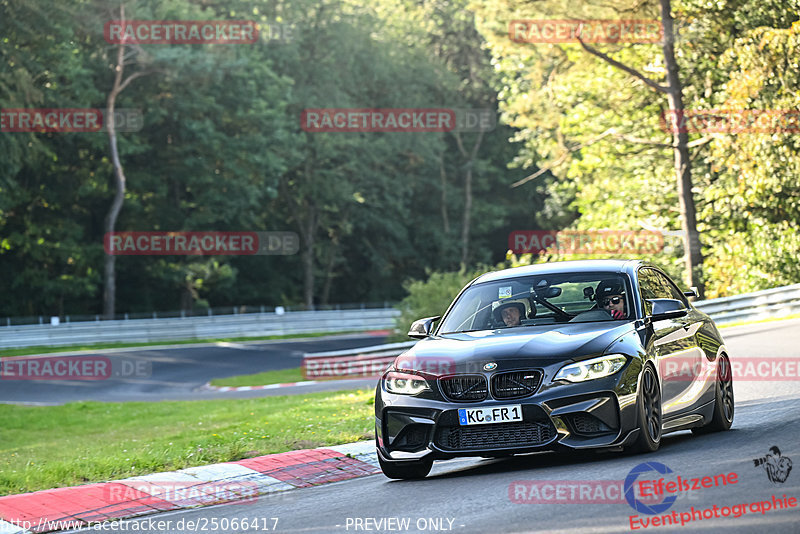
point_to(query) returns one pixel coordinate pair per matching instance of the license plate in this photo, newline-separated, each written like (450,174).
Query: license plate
(488,415)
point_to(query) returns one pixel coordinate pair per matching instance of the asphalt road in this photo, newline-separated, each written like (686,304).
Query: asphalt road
(180,372)
(475,495)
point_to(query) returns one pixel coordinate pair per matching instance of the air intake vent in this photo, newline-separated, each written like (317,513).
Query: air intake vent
(524,434)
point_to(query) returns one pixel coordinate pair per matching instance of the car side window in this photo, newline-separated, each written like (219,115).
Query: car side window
(673,290)
(651,287)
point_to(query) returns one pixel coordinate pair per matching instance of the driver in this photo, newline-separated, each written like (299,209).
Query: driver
(510,313)
(610,296)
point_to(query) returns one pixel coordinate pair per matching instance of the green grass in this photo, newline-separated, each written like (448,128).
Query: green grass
(70,348)
(262,379)
(55,446)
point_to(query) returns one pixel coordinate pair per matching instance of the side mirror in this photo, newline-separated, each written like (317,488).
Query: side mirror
(692,292)
(667,309)
(422,328)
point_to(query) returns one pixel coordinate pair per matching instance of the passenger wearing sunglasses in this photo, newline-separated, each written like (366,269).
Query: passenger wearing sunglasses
(610,295)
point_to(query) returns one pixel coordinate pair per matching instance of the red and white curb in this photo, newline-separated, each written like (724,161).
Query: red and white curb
(237,482)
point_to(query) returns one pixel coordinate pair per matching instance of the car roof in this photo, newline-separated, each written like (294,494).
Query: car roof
(561,267)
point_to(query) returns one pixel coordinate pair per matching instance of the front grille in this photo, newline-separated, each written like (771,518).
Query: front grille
(464,388)
(494,436)
(515,384)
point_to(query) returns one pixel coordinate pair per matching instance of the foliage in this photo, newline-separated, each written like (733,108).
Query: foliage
(432,296)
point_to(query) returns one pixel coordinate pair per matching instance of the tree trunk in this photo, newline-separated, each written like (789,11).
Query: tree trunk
(693,259)
(443,175)
(326,288)
(307,229)
(465,224)
(467,219)
(109,267)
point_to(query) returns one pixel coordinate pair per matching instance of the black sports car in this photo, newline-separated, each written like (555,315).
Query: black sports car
(575,355)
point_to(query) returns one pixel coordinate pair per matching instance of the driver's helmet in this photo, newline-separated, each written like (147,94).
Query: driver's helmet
(607,288)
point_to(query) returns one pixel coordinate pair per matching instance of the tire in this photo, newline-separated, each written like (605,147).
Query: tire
(723,400)
(406,470)
(648,406)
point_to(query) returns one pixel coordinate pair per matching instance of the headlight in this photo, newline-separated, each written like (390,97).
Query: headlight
(404,383)
(591,369)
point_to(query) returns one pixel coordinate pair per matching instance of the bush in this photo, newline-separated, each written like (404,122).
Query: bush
(431,297)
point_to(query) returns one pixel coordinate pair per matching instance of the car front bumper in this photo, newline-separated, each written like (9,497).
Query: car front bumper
(594,414)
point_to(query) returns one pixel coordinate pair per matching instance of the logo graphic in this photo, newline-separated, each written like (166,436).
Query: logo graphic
(777,467)
(638,505)
(491,366)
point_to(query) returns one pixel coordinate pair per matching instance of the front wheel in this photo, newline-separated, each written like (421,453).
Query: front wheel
(723,401)
(648,404)
(406,470)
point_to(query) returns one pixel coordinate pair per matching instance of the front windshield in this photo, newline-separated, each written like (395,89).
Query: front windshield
(540,300)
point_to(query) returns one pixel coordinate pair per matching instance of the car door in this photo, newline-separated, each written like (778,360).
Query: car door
(682,364)
(671,344)
(691,373)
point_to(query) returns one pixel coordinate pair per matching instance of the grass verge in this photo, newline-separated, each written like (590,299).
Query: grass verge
(281,376)
(45,447)
(98,346)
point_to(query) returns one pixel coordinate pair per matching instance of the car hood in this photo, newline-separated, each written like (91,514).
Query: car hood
(510,348)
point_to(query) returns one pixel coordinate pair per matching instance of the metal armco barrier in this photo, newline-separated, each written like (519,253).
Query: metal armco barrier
(372,361)
(767,304)
(218,326)
(777,302)
(360,363)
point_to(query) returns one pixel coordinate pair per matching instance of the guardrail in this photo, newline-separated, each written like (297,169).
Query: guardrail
(767,304)
(178,329)
(770,303)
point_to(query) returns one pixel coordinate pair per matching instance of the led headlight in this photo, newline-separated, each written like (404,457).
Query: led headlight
(591,369)
(404,383)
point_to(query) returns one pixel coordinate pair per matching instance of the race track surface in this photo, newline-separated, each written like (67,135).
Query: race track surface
(480,495)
